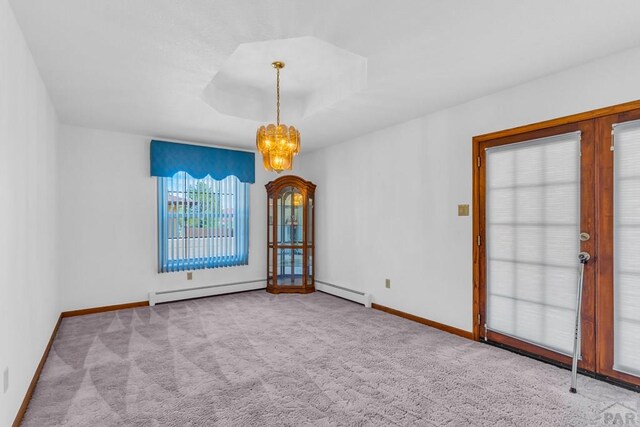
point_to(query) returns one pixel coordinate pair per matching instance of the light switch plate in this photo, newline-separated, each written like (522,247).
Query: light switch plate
(387,283)
(189,275)
(463,210)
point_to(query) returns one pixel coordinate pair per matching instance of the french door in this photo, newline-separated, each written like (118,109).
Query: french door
(543,195)
(618,303)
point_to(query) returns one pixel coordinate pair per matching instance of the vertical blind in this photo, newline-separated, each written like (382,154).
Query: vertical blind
(202,223)
(627,247)
(532,232)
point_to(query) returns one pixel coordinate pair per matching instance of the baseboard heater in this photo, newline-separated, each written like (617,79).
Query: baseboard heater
(205,291)
(346,293)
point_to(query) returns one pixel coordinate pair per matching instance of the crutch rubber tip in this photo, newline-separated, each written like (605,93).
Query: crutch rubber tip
(573,390)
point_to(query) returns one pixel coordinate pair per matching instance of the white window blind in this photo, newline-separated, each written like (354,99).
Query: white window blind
(532,239)
(202,223)
(627,247)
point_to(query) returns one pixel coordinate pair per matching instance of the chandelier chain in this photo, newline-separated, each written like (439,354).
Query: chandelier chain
(280,143)
(278,96)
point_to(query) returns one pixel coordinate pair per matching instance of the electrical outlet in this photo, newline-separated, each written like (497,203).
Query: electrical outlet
(387,283)
(189,275)
(5,380)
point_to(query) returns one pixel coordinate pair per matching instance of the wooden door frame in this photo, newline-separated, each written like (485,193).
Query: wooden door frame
(596,173)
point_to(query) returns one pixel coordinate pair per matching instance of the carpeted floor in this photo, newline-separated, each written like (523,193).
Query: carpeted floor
(255,359)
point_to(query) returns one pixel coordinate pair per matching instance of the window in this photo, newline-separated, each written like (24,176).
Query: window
(203,205)
(532,222)
(203,223)
(626,237)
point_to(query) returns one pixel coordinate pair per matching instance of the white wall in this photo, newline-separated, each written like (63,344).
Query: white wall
(387,201)
(28,291)
(108,223)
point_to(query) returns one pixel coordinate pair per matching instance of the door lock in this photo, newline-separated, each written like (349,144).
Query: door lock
(585,237)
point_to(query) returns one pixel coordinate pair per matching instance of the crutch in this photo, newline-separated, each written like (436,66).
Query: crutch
(583,257)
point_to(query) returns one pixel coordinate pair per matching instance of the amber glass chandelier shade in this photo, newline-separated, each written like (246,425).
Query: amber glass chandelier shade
(278,143)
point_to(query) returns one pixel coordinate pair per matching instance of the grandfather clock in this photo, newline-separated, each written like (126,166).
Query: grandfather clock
(290,235)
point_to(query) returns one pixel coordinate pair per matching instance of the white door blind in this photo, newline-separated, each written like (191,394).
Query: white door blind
(627,248)
(532,239)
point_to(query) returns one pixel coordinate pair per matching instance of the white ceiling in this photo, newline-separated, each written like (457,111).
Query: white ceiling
(317,75)
(141,66)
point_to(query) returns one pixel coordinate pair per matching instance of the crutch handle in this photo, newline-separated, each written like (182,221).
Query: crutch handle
(583,257)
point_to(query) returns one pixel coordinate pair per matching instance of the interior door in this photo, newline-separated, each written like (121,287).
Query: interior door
(534,204)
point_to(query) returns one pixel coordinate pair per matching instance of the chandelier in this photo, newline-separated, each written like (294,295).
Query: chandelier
(278,143)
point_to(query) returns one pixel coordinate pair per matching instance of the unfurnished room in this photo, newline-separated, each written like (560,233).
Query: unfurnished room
(319,213)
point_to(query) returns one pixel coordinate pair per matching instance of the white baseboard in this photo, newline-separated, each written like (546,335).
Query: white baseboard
(346,293)
(205,291)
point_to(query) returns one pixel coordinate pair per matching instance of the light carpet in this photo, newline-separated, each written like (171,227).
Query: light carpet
(256,359)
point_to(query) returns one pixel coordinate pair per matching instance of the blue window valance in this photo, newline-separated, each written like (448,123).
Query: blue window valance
(167,158)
